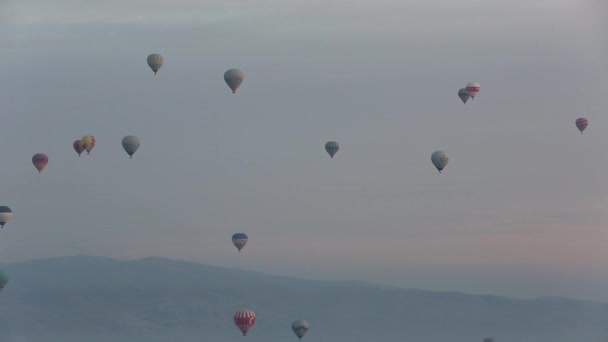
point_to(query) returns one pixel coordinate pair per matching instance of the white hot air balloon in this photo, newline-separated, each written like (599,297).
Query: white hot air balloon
(439,159)
(300,327)
(130,143)
(233,78)
(473,89)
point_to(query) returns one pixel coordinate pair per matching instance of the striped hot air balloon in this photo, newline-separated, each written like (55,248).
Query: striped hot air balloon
(581,124)
(244,320)
(332,148)
(473,89)
(40,160)
(464,95)
(155,61)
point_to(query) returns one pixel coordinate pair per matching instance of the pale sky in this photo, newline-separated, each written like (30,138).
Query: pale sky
(519,210)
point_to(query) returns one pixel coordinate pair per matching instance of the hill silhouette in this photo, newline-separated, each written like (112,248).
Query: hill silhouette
(85,298)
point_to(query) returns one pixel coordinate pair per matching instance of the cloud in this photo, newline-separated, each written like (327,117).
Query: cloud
(66,12)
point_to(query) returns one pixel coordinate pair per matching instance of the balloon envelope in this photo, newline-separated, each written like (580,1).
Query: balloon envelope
(244,320)
(581,124)
(78,146)
(439,159)
(300,327)
(239,240)
(89,142)
(332,148)
(233,78)
(488,339)
(5,215)
(130,143)
(464,95)
(473,88)
(3,279)
(155,61)
(40,160)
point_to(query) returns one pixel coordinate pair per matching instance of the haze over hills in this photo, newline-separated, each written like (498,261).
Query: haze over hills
(98,299)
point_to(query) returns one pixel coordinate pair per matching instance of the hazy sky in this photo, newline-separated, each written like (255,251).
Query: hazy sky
(519,210)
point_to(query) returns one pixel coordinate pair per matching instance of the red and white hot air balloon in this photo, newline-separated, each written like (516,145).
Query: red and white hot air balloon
(473,89)
(244,320)
(581,124)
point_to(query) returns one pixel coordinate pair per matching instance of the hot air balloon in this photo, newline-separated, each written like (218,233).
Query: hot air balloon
(300,327)
(233,78)
(488,339)
(244,320)
(155,61)
(581,124)
(5,215)
(40,160)
(473,89)
(3,279)
(439,159)
(78,146)
(332,147)
(464,95)
(239,240)
(130,143)
(89,142)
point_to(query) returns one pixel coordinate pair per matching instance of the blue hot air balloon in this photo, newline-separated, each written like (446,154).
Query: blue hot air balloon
(239,240)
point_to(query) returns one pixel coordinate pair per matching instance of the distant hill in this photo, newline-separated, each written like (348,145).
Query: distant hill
(92,299)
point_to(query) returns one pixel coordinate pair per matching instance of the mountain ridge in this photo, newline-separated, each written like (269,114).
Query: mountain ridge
(93,298)
(165,260)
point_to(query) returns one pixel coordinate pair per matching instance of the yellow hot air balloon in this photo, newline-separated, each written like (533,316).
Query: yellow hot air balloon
(89,142)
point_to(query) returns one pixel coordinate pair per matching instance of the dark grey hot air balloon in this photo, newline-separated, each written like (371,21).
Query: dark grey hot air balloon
(464,95)
(488,339)
(130,143)
(439,159)
(332,148)
(3,279)
(300,327)
(581,124)
(5,215)
(239,240)
(233,78)
(155,61)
